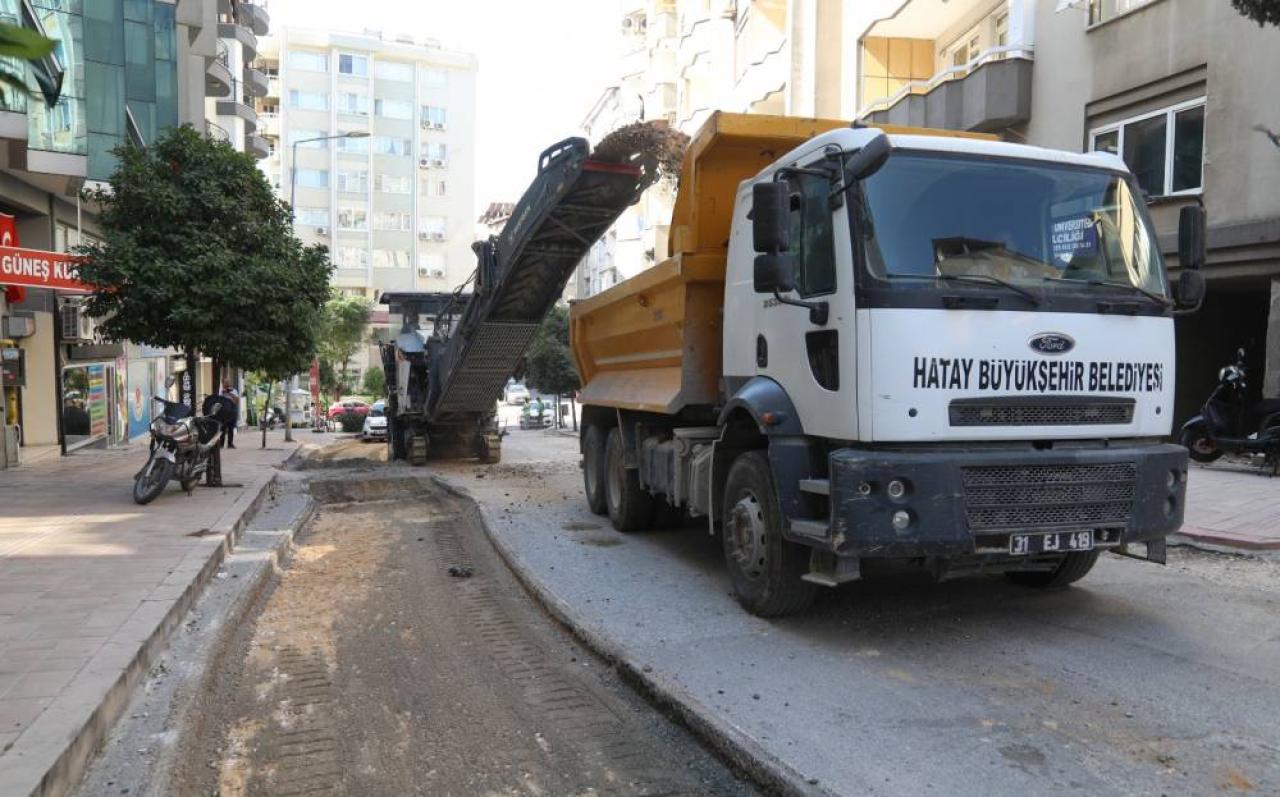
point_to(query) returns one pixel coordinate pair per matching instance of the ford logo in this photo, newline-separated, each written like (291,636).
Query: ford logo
(1052,343)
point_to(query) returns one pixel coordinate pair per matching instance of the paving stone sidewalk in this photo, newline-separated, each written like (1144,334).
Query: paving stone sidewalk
(1232,506)
(90,584)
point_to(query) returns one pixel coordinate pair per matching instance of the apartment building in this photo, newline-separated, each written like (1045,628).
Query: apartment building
(122,70)
(1180,89)
(389,185)
(231,108)
(681,60)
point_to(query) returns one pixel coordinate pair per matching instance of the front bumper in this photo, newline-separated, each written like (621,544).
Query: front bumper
(968,501)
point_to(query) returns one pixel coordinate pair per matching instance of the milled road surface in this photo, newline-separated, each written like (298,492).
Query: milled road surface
(369,670)
(1139,680)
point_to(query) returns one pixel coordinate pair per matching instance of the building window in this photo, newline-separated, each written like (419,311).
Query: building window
(434,116)
(391,258)
(1103,10)
(308,139)
(311,62)
(308,100)
(311,217)
(349,102)
(392,220)
(353,181)
(391,145)
(393,70)
(353,218)
(393,109)
(351,257)
(393,184)
(432,265)
(1164,149)
(357,65)
(313,178)
(436,151)
(434,77)
(441,188)
(1002,29)
(434,225)
(357,146)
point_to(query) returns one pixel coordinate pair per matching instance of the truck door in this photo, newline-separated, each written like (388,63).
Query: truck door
(814,363)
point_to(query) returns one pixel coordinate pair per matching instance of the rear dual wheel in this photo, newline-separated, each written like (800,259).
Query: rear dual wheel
(1073,567)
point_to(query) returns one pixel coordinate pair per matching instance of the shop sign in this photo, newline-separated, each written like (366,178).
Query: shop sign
(13,362)
(36,268)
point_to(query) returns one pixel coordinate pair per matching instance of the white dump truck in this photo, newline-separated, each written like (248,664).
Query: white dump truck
(883,348)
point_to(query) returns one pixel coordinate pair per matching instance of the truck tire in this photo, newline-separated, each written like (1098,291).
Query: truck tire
(1074,566)
(764,568)
(630,507)
(593,469)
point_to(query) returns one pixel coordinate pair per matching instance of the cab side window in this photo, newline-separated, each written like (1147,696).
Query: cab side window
(812,236)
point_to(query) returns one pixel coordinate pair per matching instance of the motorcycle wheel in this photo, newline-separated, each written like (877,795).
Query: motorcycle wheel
(1199,444)
(152,481)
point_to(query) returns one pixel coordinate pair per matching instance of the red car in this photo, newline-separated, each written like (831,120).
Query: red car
(348,405)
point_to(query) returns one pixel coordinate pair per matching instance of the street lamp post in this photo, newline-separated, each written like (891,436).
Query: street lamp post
(290,383)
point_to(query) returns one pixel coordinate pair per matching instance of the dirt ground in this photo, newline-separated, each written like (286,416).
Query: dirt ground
(395,655)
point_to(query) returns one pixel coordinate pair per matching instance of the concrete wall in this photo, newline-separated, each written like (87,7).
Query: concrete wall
(39,398)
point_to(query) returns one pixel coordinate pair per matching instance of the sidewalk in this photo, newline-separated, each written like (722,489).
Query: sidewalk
(1232,506)
(90,586)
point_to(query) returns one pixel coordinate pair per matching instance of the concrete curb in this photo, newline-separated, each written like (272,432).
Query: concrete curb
(66,771)
(1226,542)
(732,743)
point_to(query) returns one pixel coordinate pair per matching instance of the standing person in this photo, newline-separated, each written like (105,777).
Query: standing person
(231,414)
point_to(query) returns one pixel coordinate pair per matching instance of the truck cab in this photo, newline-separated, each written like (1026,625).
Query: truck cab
(943,353)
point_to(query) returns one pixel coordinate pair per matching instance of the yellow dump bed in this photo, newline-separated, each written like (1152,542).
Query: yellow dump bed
(653,342)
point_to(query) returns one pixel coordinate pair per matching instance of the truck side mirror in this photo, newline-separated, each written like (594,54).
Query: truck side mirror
(775,273)
(868,160)
(1190,290)
(1191,239)
(771,217)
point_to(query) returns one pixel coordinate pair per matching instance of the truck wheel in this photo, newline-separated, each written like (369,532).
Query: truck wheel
(593,470)
(629,506)
(1073,567)
(1199,444)
(764,568)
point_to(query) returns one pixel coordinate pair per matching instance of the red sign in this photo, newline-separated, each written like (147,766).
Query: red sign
(37,268)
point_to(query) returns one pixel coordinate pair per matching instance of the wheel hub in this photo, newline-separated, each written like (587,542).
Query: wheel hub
(746,529)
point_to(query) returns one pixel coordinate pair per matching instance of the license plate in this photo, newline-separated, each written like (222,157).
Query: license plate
(1025,544)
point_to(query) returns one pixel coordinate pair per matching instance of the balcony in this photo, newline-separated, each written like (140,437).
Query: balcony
(241,107)
(952,64)
(255,82)
(216,132)
(257,146)
(256,16)
(217,77)
(269,124)
(242,34)
(988,94)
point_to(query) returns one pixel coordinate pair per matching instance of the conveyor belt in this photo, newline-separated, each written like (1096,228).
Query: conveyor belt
(523,271)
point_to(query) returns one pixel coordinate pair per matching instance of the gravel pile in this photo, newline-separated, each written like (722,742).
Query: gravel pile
(654,144)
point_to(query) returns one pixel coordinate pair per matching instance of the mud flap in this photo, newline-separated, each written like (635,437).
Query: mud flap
(1157,552)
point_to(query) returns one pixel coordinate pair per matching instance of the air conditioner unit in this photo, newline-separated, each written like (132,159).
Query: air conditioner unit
(322,230)
(438,163)
(438,273)
(426,124)
(424,162)
(438,125)
(424,236)
(437,236)
(76,324)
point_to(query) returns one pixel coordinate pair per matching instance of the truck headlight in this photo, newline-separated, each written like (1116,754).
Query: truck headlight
(896,489)
(901,520)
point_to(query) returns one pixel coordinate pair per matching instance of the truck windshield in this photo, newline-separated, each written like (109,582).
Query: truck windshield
(1033,225)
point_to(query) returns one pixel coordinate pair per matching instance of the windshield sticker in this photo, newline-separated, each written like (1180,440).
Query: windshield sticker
(1074,237)
(1037,376)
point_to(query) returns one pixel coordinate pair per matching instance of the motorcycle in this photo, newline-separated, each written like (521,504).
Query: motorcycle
(181,446)
(1230,423)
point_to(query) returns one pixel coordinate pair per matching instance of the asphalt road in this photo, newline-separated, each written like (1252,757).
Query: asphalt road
(1139,680)
(369,668)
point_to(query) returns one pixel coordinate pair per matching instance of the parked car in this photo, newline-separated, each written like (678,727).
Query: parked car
(348,405)
(375,423)
(516,393)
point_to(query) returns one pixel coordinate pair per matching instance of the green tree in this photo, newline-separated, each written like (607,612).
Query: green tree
(1263,12)
(375,382)
(27,45)
(197,253)
(343,332)
(549,365)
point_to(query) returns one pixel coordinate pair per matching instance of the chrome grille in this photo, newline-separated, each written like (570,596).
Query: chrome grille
(1039,413)
(1041,496)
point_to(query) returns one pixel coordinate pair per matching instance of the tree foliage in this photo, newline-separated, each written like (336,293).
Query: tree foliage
(549,366)
(375,382)
(197,253)
(344,330)
(1263,12)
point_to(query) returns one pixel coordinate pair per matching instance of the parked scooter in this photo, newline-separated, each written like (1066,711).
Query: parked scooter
(1230,423)
(181,446)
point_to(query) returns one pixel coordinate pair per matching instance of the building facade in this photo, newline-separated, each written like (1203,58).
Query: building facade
(681,60)
(1178,88)
(121,70)
(396,207)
